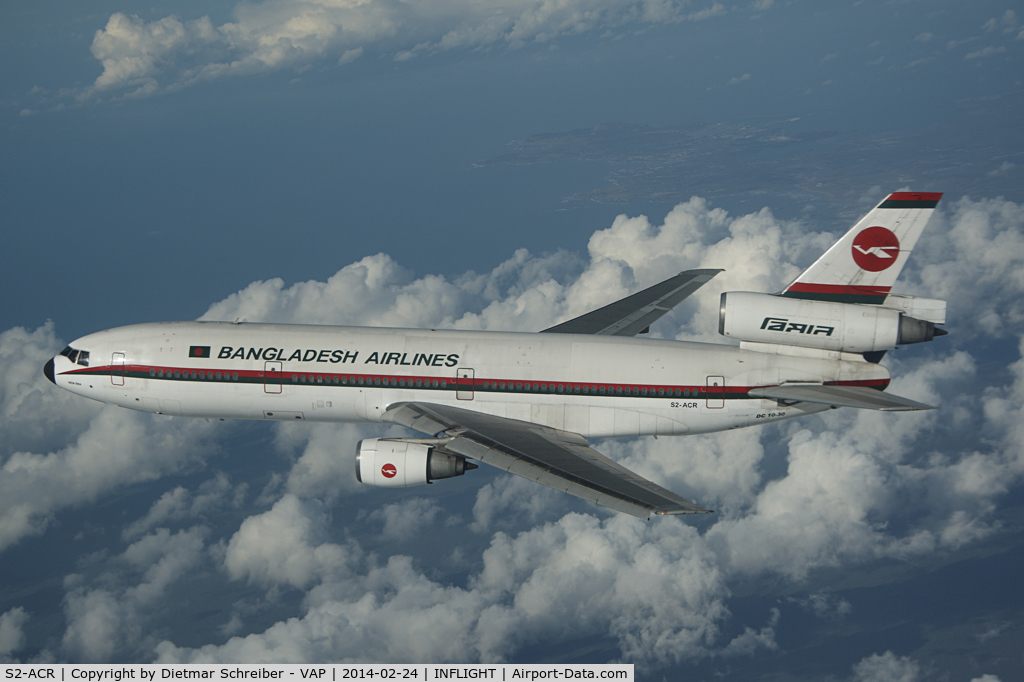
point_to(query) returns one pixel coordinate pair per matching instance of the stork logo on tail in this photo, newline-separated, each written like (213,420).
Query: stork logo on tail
(875,249)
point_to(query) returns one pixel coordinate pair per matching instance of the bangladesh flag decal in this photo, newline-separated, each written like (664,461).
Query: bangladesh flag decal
(199,351)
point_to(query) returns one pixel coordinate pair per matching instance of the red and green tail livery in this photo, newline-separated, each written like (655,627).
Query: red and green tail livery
(863,266)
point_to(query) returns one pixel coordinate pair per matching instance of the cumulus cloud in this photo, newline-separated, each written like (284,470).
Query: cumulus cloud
(325,468)
(35,417)
(654,588)
(60,450)
(1004,168)
(142,57)
(841,482)
(973,239)
(887,667)
(403,520)
(179,503)
(281,546)
(107,614)
(791,498)
(12,636)
(119,447)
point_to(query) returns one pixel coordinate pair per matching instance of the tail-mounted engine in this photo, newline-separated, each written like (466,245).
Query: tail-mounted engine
(848,327)
(397,463)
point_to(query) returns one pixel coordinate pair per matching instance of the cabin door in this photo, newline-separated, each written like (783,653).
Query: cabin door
(272,376)
(117,369)
(464,383)
(715,393)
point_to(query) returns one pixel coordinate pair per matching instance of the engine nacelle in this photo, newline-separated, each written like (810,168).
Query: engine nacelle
(397,463)
(848,327)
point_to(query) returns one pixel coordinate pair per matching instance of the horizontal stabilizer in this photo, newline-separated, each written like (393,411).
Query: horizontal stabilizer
(840,396)
(635,314)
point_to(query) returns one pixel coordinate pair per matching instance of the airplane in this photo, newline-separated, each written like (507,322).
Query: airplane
(527,403)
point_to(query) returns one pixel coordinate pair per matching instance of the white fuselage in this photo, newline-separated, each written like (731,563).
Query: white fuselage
(597,386)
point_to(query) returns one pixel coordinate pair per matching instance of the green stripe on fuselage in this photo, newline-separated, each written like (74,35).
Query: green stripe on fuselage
(871,299)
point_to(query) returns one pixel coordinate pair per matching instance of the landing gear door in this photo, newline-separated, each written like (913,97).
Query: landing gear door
(715,392)
(272,376)
(464,383)
(117,369)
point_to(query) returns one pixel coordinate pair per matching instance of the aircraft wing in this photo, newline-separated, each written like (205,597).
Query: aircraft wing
(842,396)
(634,314)
(557,459)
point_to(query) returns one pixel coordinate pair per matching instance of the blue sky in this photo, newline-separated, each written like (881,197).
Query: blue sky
(336,163)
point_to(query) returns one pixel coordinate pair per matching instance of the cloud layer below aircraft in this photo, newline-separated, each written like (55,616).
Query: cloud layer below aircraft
(550,569)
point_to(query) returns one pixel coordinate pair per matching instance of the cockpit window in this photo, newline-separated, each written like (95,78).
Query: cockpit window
(80,357)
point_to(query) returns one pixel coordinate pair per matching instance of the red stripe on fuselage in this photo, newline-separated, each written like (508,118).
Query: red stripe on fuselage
(451,383)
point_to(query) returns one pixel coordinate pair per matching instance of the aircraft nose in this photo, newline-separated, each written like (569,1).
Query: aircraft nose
(48,371)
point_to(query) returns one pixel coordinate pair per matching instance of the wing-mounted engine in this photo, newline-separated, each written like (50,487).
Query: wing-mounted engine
(400,463)
(828,325)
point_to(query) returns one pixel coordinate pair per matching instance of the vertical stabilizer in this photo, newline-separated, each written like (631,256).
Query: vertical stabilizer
(863,265)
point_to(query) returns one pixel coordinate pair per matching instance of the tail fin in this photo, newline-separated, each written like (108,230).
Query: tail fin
(863,265)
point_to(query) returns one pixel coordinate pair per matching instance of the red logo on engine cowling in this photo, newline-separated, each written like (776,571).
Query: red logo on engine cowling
(875,249)
(389,470)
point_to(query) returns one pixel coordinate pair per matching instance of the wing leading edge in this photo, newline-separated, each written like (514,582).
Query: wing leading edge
(557,459)
(634,314)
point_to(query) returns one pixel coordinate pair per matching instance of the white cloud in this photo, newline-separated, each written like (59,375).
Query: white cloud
(165,558)
(986,52)
(790,498)
(652,587)
(12,635)
(142,57)
(403,520)
(1004,168)
(98,625)
(923,37)
(325,469)
(105,616)
(839,480)
(739,79)
(119,447)
(179,503)
(748,643)
(824,605)
(973,257)
(1008,22)
(887,667)
(509,501)
(280,546)
(89,449)
(34,415)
